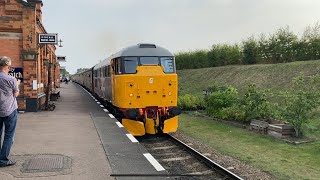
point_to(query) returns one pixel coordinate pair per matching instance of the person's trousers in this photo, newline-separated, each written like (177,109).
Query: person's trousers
(9,123)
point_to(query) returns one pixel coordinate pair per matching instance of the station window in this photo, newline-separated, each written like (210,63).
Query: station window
(130,64)
(168,64)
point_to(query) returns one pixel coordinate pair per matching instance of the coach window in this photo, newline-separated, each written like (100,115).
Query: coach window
(108,71)
(149,60)
(105,71)
(130,64)
(168,64)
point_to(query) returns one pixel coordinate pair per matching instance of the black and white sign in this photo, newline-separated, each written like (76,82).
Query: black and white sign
(61,58)
(48,38)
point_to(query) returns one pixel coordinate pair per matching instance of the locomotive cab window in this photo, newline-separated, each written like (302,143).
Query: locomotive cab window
(130,65)
(168,64)
(149,60)
(117,65)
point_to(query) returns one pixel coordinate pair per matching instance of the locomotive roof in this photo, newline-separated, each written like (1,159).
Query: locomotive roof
(137,50)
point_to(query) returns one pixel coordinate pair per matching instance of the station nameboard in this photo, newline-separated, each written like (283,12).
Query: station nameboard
(48,38)
(61,58)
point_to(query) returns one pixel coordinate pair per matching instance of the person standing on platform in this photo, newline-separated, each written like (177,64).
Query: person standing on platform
(9,90)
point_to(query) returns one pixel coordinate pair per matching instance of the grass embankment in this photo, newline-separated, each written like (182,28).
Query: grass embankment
(283,160)
(276,77)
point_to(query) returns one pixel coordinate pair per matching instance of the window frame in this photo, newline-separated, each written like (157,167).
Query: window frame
(173,63)
(158,57)
(123,63)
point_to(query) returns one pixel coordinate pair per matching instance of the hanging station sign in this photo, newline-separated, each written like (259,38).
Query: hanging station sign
(61,58)
(48,38)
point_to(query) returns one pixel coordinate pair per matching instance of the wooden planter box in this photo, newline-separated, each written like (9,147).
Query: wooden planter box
(259,126)
(280,130)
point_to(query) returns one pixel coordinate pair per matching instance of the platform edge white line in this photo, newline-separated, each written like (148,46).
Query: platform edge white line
(154,162)
(132,139)
(119,124)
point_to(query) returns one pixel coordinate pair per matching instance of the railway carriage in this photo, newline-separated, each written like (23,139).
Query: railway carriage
(140,83)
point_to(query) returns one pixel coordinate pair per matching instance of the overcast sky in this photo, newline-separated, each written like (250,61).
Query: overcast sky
(93,30)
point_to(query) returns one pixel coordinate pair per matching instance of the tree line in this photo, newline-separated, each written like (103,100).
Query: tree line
(280,47)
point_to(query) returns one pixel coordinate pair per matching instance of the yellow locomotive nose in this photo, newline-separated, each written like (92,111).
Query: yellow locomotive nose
(150,86)
(148,100)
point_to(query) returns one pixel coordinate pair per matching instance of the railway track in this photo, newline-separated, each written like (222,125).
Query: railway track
(182,161)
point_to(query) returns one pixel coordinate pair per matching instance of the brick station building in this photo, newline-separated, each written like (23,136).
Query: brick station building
(20,24)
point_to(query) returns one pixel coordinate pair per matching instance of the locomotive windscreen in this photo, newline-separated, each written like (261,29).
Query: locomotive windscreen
(149,60)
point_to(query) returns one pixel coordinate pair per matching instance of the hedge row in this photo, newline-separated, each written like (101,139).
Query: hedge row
(279,47)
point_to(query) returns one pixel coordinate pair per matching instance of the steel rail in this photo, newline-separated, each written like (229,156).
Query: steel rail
(205,159)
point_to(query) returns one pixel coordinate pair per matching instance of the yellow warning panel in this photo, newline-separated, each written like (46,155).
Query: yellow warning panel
(150,129)
(170,125)
(136,128)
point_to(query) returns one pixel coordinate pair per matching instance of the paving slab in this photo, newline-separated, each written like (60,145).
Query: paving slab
(81,139)
(68,132)
(125,157)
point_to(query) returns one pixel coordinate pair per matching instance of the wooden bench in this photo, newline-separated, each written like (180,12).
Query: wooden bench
(260,126)
(55,94)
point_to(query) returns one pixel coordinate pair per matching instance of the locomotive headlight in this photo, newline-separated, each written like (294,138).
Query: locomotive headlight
(131,95)
(170,93)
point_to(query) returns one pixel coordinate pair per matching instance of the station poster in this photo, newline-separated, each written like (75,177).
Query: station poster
(16,72)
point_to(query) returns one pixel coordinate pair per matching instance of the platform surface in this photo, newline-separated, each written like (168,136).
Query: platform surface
(78,140)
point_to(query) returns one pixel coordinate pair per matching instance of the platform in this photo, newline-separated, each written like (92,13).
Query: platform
(80,139)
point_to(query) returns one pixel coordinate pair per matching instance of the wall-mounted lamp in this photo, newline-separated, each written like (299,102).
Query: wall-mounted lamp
(60,41)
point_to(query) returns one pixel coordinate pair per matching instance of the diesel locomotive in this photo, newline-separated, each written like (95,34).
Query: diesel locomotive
(140,84)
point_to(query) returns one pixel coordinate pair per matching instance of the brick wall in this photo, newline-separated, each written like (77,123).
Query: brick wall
(11,47)
(20,22)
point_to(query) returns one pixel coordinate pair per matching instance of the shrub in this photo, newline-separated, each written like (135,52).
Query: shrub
(235,112)
(309,45)
(192,60)
(256,104)
(219,99)
(299,103)
(250,51)
(224,54)
(191,102)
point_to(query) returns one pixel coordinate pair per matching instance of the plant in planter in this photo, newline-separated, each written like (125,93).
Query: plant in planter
(301,101)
